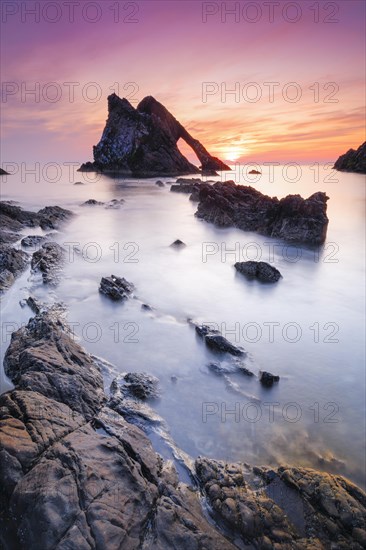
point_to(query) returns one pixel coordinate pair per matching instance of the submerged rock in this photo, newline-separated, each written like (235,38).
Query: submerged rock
(262,271)
(292,218)
(92,202)
(268,379)
(178,244)
(143,142)
(353,161)
(160,183)
(216,342)
(116,288)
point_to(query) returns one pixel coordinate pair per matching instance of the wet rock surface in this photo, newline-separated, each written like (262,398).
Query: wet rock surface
(262,271)
(353,160)
(287,508)
(75,474)
(12,220)
(216,342)
(267,378)
(48,260)
(141,385)
(12,263)
(116,288)
(143,142)
(292,218)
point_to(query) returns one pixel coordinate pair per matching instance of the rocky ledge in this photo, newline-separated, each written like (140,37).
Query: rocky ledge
(292,218)
(13,220)
(143,142)
(75,474)
(353,161)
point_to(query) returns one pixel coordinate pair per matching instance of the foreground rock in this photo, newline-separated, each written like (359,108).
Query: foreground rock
(12,263)
(143,142)
(75,474)
(267,378)
(287,508)
(353,161)
(116,288)
(3,172)
(262,271)
(292,218)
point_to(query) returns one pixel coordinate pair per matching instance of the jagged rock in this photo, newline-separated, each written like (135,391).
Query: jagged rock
(262,271)
(295,508)
(49,260)
(141,385)
(215,341)
(43,357)
(143,142)
(353,161)
(13,219)
(268,379)
(291,218)
(92,202)
(116,288)
(12,263)
(33,241)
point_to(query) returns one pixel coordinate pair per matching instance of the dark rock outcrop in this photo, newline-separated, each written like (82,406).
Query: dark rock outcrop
(3,172)
(292,218)
(262,271)
(178,244)
(216,342)
(33,241)
(267,378)
(353,161)
(143,142)
(116,288)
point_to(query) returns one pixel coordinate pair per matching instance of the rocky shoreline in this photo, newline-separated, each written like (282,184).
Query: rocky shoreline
(77,468)
(75,474)
(352,161)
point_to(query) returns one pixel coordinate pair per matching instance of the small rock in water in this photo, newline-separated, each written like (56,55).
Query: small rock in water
(160,183)
(79,183)
(174,379)
(49,260)
(255,172)
(116,288)
(92,202)
(146,307)
(34,305)
(214,340)
(267,378)
(115,203)
(178,244)
(262,271)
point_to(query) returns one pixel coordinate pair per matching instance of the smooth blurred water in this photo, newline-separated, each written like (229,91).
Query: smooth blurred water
(318,406)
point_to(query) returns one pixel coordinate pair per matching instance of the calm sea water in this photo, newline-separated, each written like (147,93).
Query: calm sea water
(308,328)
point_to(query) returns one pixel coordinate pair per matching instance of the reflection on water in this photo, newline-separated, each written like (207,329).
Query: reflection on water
(308,328)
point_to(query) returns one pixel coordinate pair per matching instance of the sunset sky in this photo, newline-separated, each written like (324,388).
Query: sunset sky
(171,50)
